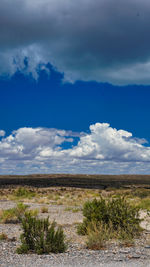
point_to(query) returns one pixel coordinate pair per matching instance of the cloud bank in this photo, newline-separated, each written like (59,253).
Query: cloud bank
(102,150)
(102,40)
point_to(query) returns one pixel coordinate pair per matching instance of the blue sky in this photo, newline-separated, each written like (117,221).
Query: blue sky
(74,92)
(49,102)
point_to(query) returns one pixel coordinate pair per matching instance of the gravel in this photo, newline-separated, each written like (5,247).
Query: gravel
(76,254)
(74,257)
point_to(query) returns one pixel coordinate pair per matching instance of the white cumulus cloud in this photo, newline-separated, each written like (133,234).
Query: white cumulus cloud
(103,150)
(107,143)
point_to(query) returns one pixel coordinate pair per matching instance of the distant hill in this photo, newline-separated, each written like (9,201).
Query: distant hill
(76,180)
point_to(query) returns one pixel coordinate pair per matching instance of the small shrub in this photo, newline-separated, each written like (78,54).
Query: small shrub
(33,212)
(19,210)
(40,236)
(3,236)
(116,212)
(44,209)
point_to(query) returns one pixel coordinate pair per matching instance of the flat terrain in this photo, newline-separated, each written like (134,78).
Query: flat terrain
(76,180)
(61,197)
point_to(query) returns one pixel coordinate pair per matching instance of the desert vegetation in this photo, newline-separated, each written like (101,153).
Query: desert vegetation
(109,219)
(15,215)
(40,236)
(94,218)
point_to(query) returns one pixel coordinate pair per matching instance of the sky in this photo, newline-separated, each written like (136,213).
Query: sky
(75,86)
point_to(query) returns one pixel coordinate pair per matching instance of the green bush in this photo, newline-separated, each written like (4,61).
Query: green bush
(40,236)
(116,212)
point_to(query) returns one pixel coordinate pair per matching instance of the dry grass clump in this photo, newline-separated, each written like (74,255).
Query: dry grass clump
(22,192)
(15,214)
(3,236)
(42,200)
(74,210)
(97,235)
(44,209)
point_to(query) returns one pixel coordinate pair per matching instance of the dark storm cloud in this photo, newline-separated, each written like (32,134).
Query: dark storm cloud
(104,40)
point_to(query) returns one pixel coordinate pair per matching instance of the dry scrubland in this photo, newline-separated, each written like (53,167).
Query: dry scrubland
(62,198)
(78,181)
